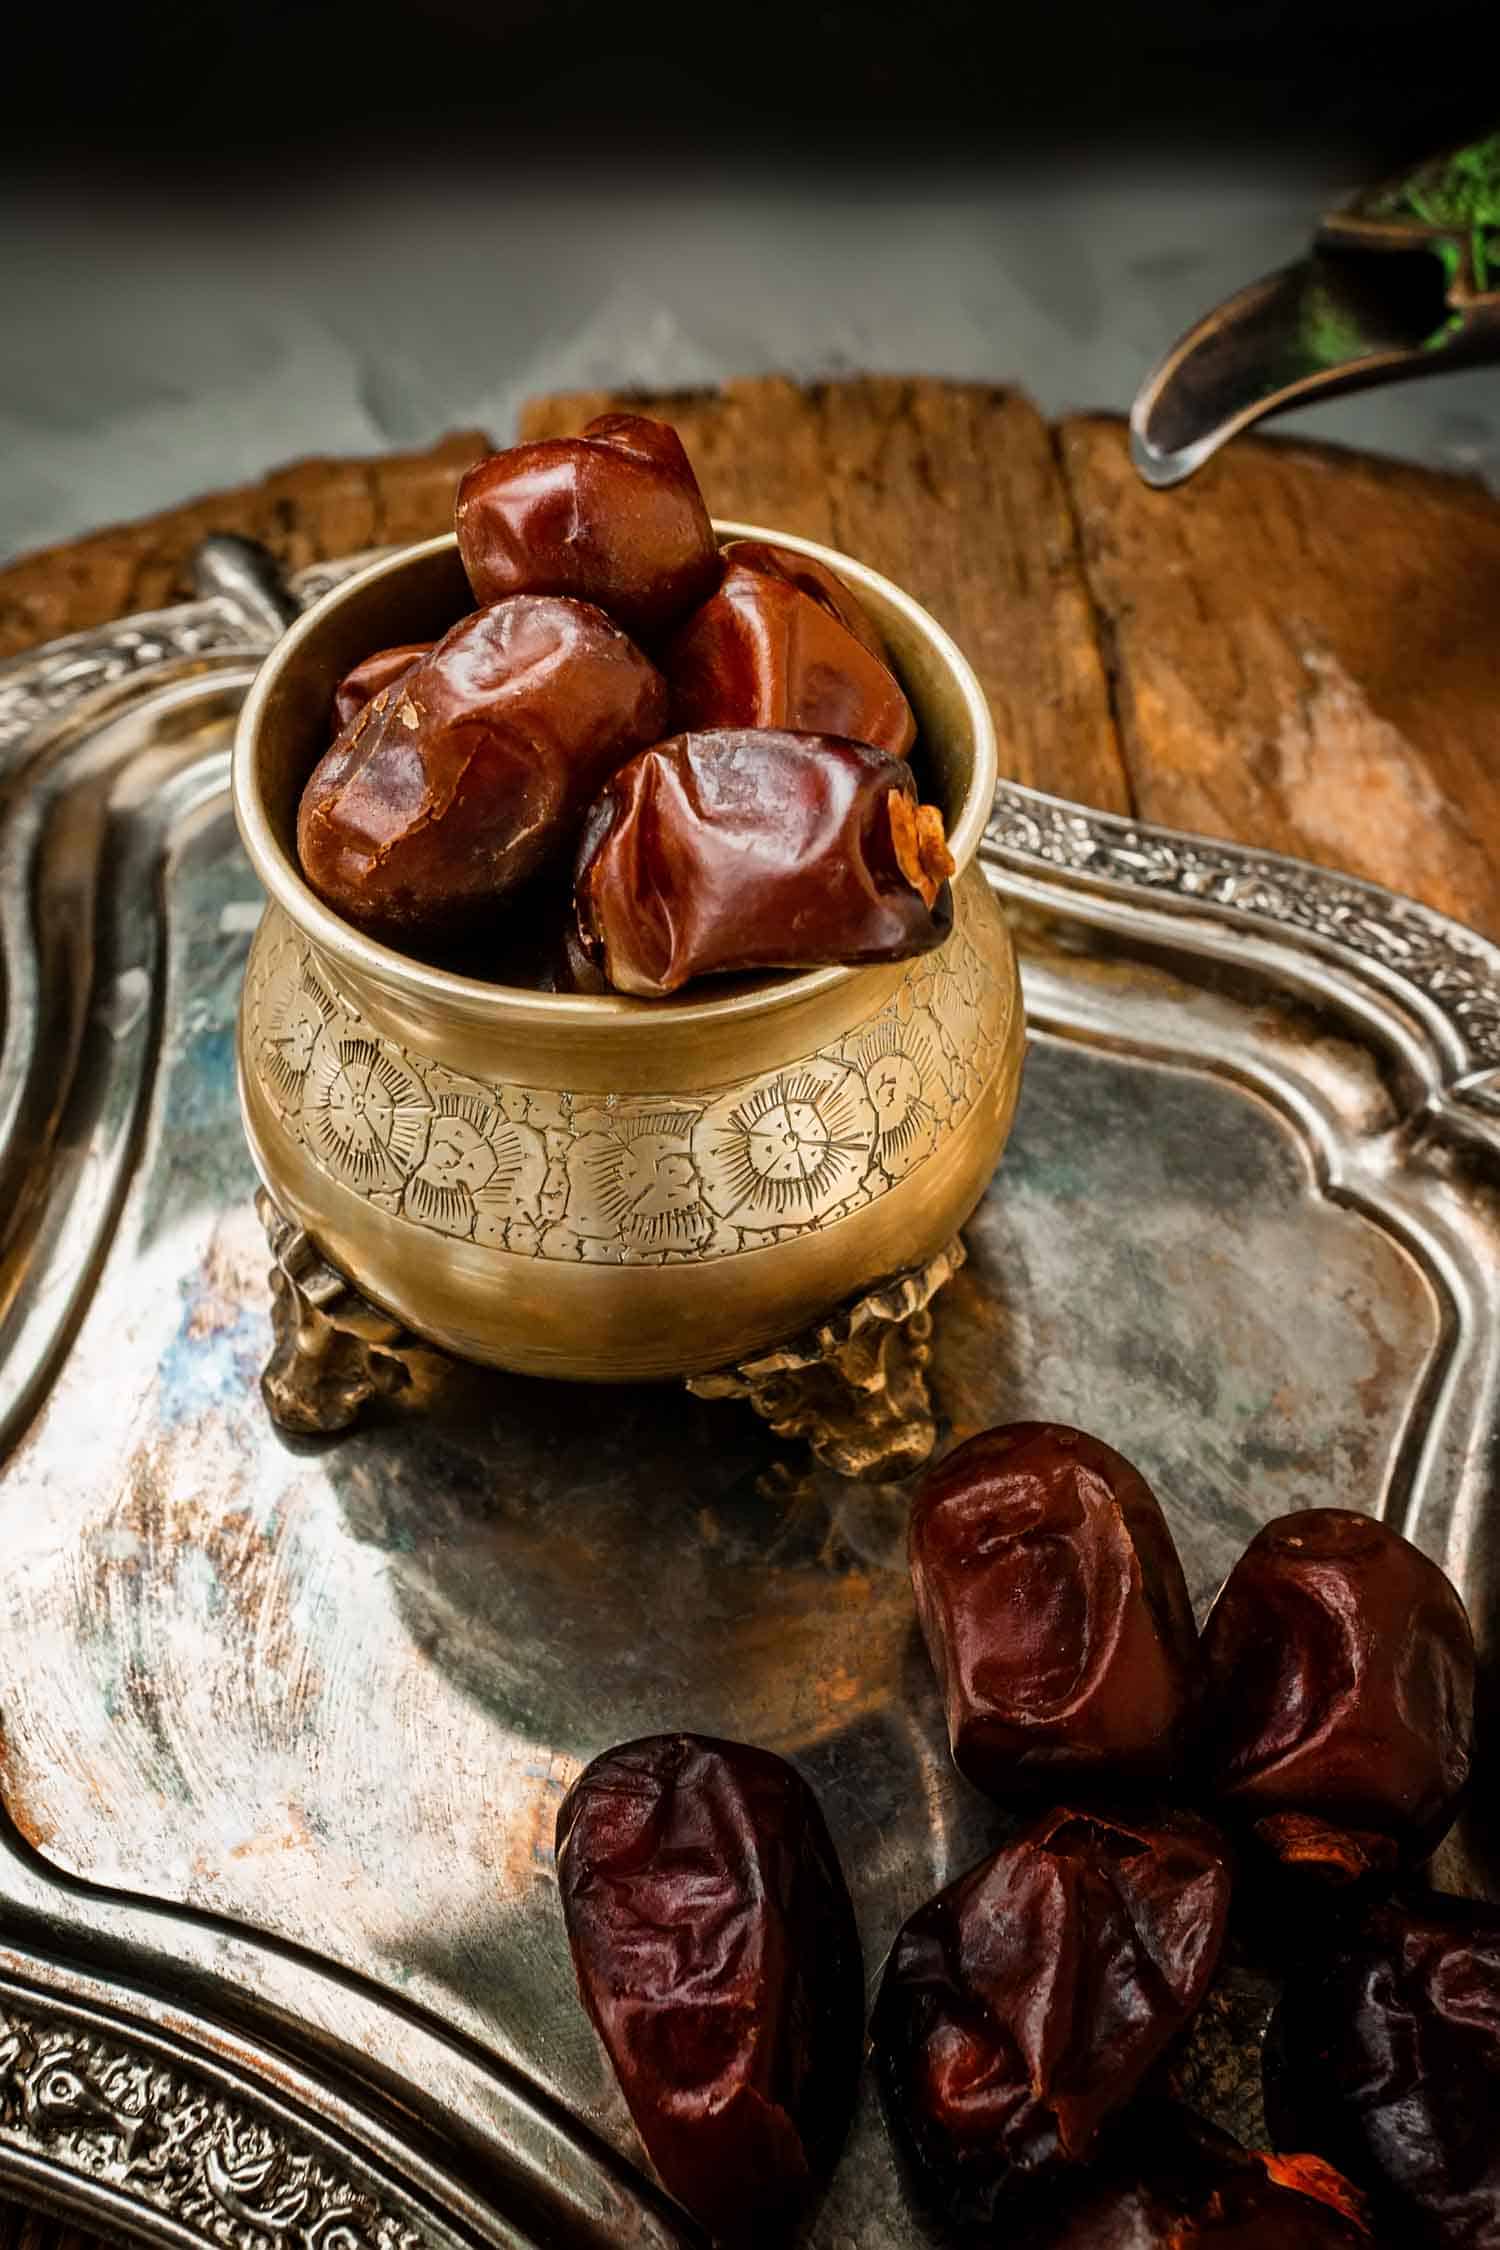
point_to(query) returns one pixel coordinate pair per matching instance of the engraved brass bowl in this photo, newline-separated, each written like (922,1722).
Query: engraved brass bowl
(613,1189)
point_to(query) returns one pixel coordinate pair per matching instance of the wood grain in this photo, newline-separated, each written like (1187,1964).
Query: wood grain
(303,513)
(1305,650)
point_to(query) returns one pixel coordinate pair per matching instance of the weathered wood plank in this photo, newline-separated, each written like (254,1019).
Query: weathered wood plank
(303,513)
(1305,651)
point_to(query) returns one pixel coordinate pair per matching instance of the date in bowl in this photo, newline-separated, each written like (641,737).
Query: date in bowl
(608,1189)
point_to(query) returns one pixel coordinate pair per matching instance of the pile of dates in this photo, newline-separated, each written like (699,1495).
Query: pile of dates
(641,760)
(1286,1772)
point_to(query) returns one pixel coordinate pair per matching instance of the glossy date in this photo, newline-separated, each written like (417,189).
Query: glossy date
(1055,1611)
(1341,1695)
(717,1955)
(766,651)
(1023,2005)
(810,577)
(1384,2055)
(613,517)
(471,772)
(377,671)
(752,849)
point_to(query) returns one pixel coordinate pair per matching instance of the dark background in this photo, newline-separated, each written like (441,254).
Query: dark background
(567,80)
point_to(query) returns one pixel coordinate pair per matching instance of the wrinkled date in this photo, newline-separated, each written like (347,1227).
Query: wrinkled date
(717,1955)
(1385,2057)
(1056,1612)
(810,577)
(1025,2003)
(1172,2180)
(749,849)
(613,517)
(1341,1695)
(456,783)
(766,651)
(380,670)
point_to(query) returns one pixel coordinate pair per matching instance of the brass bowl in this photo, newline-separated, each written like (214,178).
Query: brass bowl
(612,1189)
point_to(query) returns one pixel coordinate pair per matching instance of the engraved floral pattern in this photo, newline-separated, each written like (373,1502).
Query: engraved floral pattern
(638,1181)
(366,1114)
(186,2156)
(789,1149)
(478,1170)
(900,1068)
(290,1020)
(648,1179)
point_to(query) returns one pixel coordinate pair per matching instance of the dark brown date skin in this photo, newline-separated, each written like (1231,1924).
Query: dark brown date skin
(613,517)
(717,1955)
(379,670)
(765,653)
(810,577)
(1023,2005)
(1056,1613)
(1341,1696)
(1384,2055)
(1170,2180)
(459,782)
(747,849)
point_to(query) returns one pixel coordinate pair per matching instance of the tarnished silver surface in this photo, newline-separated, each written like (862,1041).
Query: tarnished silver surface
(286,1722)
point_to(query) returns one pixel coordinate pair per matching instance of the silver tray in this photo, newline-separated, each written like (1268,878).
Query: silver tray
(285,1724)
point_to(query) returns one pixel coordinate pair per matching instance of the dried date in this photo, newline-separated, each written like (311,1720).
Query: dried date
(377,671)
(1384,2055)
(717,1955)
(751,849)
(1056,1613)
(613,517)
(1341,1695)
(1022,2007)
(765,652)
(471,772)
(812,578)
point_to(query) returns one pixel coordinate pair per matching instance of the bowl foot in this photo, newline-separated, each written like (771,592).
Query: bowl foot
(854,1386)
(334,1351)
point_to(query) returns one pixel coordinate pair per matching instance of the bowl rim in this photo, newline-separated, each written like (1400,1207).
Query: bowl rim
(286,886)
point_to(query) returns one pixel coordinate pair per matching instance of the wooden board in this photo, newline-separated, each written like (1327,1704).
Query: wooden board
(1301,649)
(1305,646)
(307,511)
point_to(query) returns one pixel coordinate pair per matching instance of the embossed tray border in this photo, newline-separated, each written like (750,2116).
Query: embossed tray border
(191,2083)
